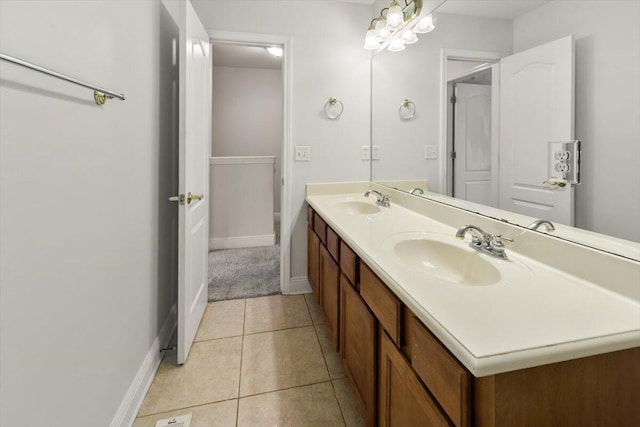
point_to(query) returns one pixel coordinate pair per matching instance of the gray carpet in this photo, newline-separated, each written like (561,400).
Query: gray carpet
(244,273)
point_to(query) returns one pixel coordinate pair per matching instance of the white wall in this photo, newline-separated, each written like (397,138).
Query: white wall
(328,60)
(241,214)
(415,74)
(607,35)
(247,115)
(87,261)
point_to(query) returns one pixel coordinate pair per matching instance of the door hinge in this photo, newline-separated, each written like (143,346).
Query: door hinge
(453,155)
(453,99)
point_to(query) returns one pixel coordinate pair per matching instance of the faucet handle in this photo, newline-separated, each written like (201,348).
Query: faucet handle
(497,244)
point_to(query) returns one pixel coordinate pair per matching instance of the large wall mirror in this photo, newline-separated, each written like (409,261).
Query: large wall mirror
(482,113)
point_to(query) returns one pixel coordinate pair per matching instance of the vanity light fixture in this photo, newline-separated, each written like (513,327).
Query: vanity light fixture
(425,25)
(397,26)
(395,16)
(275,51)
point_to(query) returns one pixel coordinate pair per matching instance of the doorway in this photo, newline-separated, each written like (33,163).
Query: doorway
(470,131)
(245,171)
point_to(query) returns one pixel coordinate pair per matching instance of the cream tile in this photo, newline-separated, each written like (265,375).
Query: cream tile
(281,359)
(313,405)
(314,309)
(220,414)
(347,402)
(275,312)
(211,374)
(222,319)
(331,357)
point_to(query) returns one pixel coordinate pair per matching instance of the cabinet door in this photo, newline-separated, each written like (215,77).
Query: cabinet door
(330,278)
(358,349)
(403,401)
(313,261)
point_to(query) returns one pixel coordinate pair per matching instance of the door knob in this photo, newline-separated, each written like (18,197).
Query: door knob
(192,197)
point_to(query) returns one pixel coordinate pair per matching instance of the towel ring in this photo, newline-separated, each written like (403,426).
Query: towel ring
(333,108)
(407,110)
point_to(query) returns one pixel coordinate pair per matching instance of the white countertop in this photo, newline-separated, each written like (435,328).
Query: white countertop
(533,316)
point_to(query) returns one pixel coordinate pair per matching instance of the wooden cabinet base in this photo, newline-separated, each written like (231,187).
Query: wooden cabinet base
(599,390)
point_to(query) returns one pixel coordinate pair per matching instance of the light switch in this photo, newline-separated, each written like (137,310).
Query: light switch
(430,152)
(375,152)
(303,153)
(365,152)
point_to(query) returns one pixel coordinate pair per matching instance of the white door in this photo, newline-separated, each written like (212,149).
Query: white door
(536,106)
(472,143)
(195,123)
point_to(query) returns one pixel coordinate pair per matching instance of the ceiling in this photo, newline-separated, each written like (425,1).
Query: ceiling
(504,9)
(241,56)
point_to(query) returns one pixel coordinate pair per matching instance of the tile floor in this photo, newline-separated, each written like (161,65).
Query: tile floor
(255,362)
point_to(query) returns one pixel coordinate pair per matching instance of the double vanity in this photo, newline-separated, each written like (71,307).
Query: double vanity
(443,317)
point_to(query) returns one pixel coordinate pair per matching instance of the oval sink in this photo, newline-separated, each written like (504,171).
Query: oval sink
(357,208)
(447,262)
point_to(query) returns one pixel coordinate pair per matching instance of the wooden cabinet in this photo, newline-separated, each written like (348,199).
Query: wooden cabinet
(445,377)
(330,290)
(385,305)
(349,263)
(402,375)
(313,261)
(402,400)
(358,348)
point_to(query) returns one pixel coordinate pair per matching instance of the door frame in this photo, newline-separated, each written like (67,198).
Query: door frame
(445,56)
(254,39)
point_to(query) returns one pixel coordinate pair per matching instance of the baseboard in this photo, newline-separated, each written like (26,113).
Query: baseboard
(299,285)
(130,405)
(242,242)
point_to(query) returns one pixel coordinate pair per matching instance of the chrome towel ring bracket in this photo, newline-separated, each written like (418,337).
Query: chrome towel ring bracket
(333,108)
(407,110)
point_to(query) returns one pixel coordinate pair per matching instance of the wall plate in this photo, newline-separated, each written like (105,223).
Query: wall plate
(564,161)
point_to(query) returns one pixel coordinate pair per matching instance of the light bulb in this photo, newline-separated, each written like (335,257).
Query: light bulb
(409,37)
(425,25)
(395,17)
(275,51)
(396,45)
(371,40)
(382,31)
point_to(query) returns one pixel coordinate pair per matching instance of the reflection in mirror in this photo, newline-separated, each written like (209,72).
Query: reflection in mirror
(501,89)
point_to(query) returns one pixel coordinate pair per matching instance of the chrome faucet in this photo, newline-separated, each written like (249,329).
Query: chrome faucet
(382,199)
(416,190)
(538,222)
(485,242)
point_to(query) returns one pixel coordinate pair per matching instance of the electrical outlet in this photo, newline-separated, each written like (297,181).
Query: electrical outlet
(375,152)
(303,153)
(365,152)
(430,152)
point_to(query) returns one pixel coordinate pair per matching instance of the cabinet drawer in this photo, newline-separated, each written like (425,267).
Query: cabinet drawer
(348,263)
(320,227)
(310,216)
(384,304)
(445,377)
(333,243)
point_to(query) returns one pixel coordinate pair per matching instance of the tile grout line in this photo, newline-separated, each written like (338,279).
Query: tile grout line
(186,407)
(333,387)
(284,389)
(326,365)
(244,321)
